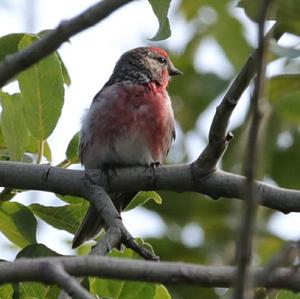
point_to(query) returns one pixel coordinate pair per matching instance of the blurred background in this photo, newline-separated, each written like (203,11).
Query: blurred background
(210,41)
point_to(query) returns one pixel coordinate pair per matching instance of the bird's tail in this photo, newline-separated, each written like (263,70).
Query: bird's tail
(93,223)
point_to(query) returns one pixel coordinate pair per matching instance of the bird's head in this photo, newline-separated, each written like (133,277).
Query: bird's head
(145,64)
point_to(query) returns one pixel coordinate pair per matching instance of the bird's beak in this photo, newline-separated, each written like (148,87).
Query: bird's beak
(173,71)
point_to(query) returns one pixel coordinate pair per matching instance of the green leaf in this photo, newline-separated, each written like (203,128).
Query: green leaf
(42,93)
(2,141)
(35,251)
(228,32)
(36,290)
(142,197)
(122,289)
(161,8)
(66,217)
(161,292)
(72,150)
(284,94)
(65,73)
(13,125)
(33,147)
(285,12)
(70,199)
(199,91)
(287,295)
(9,44)
(6,291)
(17,223)
(286,164)
(281,85)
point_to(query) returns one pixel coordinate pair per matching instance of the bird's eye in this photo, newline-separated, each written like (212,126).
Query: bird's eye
(162,60)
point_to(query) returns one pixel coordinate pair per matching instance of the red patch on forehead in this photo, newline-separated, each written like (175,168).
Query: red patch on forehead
(159,51)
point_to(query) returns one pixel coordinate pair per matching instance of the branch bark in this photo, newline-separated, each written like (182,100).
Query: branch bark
(244,245)
(13,64)
(54,272)
(178,178)
(219,136)
(137,270)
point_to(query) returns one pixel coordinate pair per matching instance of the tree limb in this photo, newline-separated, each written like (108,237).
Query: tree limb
(178,178)
(104,206)
(243,287)
(55,273)
(15,63)
(219,136)
(137,270)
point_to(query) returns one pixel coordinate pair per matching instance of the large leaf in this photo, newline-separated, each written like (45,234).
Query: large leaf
(161,8)
(228,32)
(2,141)
(72,149)
(17,223)
(286,164)
(199,90)
(122,289)
(142,197)
(66,217)
(35,251)
(42,93)
(284,94)
(285,12)
(9,44)
(13,125)
(33,147)
(161,292)
(6,291)
(70,199)
(287,295)
(215,20)
(66,76)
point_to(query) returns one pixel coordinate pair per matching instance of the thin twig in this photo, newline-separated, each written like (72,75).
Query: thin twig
(244,280)
(278,259)
(15,63)
(219,136)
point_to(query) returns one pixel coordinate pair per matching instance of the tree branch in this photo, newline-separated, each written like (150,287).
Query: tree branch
(244,245)
(55,273)
(219,136)
(178,178)
(13,64)
(111,217)
(137,270)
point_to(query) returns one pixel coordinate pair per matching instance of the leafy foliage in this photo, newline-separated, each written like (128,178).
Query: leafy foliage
(29,117)
(161,8)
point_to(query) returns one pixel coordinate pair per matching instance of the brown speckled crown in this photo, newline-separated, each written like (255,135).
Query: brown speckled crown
(131,67)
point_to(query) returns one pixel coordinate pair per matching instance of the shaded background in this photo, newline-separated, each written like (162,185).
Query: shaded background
(210,41)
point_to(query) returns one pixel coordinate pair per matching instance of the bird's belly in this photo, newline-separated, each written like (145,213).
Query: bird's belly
(128,150)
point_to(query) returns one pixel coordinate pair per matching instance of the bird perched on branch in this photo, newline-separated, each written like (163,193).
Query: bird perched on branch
(130,122)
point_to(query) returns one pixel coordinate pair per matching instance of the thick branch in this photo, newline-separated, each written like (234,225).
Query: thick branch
(178,178)
(163,272)
(23,59)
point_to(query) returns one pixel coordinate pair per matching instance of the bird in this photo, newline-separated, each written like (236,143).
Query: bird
(130,123)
